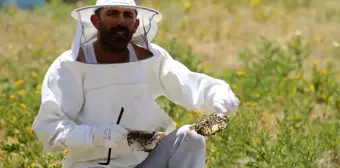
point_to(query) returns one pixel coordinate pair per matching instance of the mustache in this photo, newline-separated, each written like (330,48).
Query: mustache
(114,30)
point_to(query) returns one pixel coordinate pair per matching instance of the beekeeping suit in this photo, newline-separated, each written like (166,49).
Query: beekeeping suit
(83,100)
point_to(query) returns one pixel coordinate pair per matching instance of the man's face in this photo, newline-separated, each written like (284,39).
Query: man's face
(116,27)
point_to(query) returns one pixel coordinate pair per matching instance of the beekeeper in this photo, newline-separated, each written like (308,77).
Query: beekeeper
(113,67)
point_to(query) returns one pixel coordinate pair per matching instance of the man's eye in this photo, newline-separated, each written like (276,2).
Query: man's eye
(128,15)
(112,13)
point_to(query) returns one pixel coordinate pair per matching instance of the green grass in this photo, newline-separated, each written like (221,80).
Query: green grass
(287,81)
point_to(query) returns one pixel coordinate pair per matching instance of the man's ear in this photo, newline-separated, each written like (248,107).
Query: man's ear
(95,21)
(136,25)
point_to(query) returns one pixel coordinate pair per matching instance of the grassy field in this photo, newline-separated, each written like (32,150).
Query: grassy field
(279,57)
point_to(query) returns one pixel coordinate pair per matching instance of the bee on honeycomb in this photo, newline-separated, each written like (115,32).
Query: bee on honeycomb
(146,141)
(211,125)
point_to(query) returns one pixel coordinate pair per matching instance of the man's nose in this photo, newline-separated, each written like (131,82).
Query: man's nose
(121,20)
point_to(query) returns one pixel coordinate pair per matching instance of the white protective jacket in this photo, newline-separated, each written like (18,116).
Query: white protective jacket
(78,96)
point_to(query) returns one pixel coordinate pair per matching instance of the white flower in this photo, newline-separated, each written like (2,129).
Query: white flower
(336,44)
(298,33)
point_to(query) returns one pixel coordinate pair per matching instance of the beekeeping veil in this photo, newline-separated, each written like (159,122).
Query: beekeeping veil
(87,33)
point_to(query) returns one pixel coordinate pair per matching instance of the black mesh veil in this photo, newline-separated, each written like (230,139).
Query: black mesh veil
(87,33)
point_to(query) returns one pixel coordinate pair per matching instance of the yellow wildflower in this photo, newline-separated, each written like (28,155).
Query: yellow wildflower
(257,140)
(34,75)
(253,104)
(65,151)
(38,87)
(177,124)
(186,5)
(329,60)
(196,111)
(292,43)
(297,76)
(234,87)
(190,115)
(285,77)
(32,165)
(19,82)
(258,95)
(53,165)
(324,71)
(29,130)
(254,2)
(241,73)
(22,92)
(315,62)
(11,97)
(23,106)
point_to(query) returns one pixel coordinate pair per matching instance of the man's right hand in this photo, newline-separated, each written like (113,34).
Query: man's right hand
(108,135)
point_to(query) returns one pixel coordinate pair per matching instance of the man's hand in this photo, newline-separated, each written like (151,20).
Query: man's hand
(226,104)
(108,135)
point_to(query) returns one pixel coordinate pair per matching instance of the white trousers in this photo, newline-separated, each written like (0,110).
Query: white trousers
(180,149)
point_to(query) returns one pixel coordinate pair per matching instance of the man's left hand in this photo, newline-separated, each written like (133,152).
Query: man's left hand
(226,105)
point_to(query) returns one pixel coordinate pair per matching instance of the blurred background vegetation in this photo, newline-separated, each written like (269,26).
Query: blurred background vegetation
(279,56)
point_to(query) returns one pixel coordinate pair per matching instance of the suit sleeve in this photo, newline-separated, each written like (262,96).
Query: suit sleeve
(193,90)
(61,101)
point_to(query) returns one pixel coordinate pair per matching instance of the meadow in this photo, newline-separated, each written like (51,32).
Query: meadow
(279,57)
